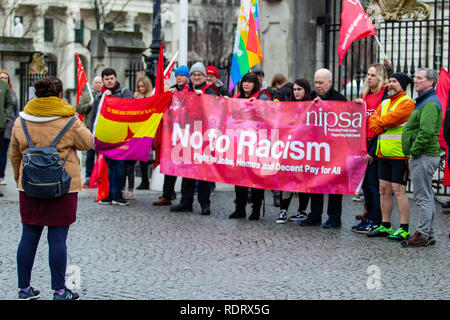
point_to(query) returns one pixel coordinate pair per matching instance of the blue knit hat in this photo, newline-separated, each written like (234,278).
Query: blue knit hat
(182,70)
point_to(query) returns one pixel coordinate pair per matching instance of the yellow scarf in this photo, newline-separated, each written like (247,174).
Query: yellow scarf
(48,107)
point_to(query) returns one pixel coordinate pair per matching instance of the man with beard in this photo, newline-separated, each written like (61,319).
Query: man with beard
(388,122)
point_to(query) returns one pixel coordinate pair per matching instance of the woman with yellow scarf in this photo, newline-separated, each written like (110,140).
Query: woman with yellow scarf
(45,116)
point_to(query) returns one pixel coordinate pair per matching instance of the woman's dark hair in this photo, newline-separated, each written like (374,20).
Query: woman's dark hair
(249,77)
(305,85)
(48,87)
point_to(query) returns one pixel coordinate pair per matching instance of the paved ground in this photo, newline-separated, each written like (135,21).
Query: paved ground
(147,252)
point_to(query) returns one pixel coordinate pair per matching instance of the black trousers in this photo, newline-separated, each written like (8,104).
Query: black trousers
(334,208)
(169,186)
(303,199)
(242,197)
(188,190)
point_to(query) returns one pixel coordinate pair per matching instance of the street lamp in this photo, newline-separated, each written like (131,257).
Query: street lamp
(152,59)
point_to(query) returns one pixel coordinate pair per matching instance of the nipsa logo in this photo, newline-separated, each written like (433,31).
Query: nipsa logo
(334,119)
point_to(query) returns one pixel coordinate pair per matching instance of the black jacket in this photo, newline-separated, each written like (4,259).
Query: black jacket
(446,132)
(331,95)
(283,93)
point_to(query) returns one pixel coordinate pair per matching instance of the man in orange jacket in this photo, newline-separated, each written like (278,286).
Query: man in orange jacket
(388,122)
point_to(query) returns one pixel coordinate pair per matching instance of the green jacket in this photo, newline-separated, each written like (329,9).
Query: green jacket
(420,136)
(84,107)
(6,105)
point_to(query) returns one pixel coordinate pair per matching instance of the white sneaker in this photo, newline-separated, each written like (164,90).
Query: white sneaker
(283,217)
(298,216)
(2,182)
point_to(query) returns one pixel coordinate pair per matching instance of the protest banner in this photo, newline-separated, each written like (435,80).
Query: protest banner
(290,146)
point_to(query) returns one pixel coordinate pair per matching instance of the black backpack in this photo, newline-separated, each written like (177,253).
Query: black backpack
(44,175)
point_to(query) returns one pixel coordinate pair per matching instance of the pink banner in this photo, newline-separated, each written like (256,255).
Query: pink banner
(290,146)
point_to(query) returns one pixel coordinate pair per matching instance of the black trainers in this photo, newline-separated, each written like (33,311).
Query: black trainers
(107,200)
(237,214)
(120,201)
(145,185)
(68,295)
(181,208)
(308,222)
(206,211)
(331,224)
(31,294)
(282,217)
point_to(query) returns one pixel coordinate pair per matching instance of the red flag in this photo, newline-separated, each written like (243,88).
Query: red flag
(168,72)
(442,91)
(159,89)
(101,178)
(159,82)
(355,24)
(81,78)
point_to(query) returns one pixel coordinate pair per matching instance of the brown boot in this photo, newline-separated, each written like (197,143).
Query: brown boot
(417,240)
(162,202)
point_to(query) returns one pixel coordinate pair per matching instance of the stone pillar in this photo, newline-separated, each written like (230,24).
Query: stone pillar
(115,49)
(68,61)
(291,40)
(41,10)
(308,38)
(276,38)
(131,17)
(13,51)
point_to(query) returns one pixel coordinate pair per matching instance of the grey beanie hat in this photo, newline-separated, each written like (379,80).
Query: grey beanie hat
(198,67)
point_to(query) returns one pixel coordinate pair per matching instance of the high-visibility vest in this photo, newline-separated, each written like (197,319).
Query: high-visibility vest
(390,142)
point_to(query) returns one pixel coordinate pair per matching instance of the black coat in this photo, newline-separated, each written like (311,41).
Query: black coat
(331,95)
(283,93)
(446,133)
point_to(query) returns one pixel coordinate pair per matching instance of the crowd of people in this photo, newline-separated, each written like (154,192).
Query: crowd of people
(402,143)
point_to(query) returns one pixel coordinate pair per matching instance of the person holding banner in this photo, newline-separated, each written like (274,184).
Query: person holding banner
(212,78)
(300,91)
(84,107)
(374,91)
(181,84)
(144,89)
(388,122)
(199,86)
(420,141)
(249,88)
(323,83)
(116,168)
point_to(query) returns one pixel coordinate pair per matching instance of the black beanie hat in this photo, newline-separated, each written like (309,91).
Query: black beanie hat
(402,78)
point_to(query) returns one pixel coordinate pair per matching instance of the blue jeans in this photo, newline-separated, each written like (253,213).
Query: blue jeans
(116,176)
(57,255)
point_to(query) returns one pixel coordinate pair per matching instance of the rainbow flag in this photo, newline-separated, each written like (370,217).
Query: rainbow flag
(255,12)
(247,49)
(125,128)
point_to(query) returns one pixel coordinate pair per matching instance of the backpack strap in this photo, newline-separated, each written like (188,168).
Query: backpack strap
(27,134)
(63,131)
